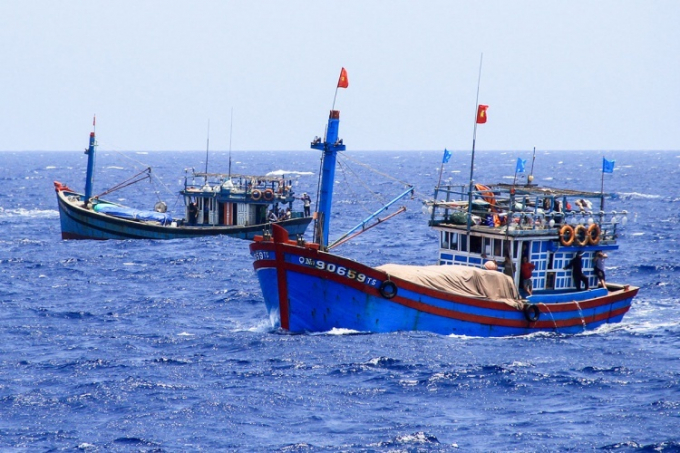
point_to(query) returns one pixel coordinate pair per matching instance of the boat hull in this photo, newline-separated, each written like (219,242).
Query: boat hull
(80,223)
(307,290)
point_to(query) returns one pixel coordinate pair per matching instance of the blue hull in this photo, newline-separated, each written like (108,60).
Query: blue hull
(306,290)
(80,223)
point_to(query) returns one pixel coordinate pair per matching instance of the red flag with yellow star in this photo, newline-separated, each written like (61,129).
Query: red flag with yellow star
(481,113)
(343,82)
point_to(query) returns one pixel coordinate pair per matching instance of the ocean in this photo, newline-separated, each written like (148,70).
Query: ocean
(158,346)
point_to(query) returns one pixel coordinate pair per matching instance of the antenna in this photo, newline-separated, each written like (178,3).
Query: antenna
(231,127)
(207,148)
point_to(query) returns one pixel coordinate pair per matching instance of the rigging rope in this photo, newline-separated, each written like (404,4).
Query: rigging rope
(420,195)
(152,177)
(344,169)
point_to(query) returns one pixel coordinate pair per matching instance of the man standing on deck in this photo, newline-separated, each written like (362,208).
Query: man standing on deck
(307,203)
(525,271)
(576,266)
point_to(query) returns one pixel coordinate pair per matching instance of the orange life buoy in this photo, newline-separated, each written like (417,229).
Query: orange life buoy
(256,194)
(269,195)
(567,235)
(594,234)
(581,235)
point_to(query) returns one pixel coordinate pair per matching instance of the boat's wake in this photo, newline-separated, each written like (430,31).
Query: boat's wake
(32,213)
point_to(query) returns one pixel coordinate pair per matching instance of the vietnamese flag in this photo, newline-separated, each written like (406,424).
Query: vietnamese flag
(343,82)
(481,113)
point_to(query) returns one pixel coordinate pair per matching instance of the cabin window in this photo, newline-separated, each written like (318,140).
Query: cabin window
(445,239)
(475,244)
(487,246)
(454,241)
(498,247)
(463,243)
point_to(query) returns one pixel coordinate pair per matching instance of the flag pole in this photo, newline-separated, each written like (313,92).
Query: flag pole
(441,170)
(530,178)
(335,97)
(602,190)
(474,139)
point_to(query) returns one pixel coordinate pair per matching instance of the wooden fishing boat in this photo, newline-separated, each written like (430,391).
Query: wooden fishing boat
(239,206)
(482,230)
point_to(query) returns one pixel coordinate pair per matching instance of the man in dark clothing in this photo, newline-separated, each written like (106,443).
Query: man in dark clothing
(576,267)
(193,213)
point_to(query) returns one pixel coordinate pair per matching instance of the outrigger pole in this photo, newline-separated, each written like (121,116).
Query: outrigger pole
(344,238)
(474,139)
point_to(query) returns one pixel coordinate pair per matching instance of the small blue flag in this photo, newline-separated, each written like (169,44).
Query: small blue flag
(607,165)
(447,156)
(520,165)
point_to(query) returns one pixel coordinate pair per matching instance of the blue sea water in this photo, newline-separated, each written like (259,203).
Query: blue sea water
(166,345)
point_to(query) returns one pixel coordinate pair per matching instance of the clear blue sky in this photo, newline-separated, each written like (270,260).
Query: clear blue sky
(568,75)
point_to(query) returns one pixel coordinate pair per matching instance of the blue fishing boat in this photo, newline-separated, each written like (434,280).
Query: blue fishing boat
(239,206)
(476,289)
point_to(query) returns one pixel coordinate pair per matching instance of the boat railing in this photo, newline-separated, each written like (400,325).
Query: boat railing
(240,185)
(522,211)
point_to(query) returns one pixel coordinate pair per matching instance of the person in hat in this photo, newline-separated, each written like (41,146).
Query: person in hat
(576,266)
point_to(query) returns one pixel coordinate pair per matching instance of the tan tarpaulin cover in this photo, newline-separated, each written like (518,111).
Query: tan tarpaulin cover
(461,280)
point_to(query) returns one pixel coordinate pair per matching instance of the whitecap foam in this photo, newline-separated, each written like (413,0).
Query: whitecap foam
(338,331)
(34,213)
(289,173)
(637,195)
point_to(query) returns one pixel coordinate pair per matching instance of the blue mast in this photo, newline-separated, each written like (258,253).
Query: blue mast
(330,148)
(90,168)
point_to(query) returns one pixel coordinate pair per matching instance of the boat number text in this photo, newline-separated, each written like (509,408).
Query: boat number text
(339,270)
(262,255)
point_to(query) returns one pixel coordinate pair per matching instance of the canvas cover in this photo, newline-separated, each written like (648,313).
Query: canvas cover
(133,214)
(462,280)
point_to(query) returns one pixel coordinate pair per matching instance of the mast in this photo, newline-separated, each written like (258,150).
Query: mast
(530,178)
(330,147)
(90,151)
